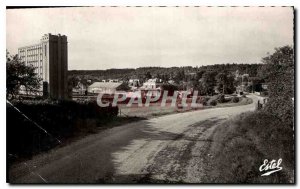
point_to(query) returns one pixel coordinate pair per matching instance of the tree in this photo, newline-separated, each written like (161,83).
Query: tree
(230,88)
(158,76)
(209,82)
(170,88)
(279,74)
(148,76)
(199,75)
(165,78)
(18,74)
(73,81)
(180,76)
(225,83)
(255,84)
(221,81)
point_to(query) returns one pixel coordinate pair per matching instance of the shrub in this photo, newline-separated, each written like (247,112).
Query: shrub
(279,72)
(61,119)
(205,100)
(170,88)
(221,98)
(213,103)
(282,108)
(235,99)
(264,93)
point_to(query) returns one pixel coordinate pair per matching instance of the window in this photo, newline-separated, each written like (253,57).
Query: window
(45,50)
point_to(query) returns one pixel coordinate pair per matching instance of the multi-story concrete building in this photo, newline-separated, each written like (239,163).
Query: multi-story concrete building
(50,59)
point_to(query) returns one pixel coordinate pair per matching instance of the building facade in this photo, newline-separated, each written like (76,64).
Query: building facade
(152,84)
(50,59)
(152,87)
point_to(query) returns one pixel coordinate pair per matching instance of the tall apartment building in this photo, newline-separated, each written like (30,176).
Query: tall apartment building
(50,59)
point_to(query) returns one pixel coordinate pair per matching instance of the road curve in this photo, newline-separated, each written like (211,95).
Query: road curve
(169,148)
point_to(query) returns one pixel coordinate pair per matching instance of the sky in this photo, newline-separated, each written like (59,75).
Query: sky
(131,37)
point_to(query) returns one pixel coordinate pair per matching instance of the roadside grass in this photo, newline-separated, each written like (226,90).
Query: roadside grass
(242,144)
(243,101)
(155,109)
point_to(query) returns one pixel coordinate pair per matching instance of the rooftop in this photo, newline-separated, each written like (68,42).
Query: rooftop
(110,85)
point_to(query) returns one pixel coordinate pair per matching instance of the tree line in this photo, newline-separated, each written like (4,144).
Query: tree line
(206,79)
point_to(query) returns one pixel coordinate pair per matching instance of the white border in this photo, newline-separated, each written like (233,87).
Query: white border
(152,3)
(117,3)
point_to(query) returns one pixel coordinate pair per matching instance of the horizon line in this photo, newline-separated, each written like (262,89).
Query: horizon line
(159,67)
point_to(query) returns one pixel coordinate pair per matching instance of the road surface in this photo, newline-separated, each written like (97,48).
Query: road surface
(171,148)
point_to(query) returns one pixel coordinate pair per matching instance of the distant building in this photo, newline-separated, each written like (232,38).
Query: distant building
(134,83)
(107,87)
(110,80)
(50,59)
(79,89)
(172,82)
(152,87)
(152,84)
(237,75)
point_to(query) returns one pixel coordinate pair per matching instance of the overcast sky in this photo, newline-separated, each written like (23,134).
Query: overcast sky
(120,37)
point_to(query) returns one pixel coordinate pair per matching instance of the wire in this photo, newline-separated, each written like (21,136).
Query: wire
(37,125)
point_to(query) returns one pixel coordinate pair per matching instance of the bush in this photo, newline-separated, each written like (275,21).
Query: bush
(213,103)
(235,99)
(205,100)
(279,73)
(61,119)
(282,108)
(170,88)
(221,98)
(264,93)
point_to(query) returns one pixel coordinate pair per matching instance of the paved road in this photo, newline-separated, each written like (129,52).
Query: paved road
(172,148)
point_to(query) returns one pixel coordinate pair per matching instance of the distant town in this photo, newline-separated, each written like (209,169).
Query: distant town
(49,58)
(241,78)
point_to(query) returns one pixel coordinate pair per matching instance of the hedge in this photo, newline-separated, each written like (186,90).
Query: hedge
(61,119)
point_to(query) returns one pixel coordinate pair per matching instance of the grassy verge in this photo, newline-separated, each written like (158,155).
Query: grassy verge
(243,101)
(241,145)
(156,110)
